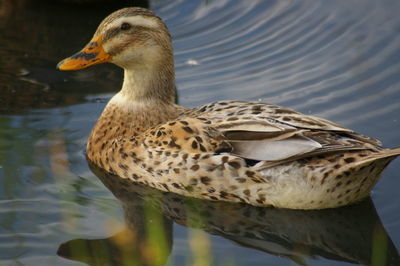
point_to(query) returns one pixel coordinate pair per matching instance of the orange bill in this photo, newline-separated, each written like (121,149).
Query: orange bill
(92,54)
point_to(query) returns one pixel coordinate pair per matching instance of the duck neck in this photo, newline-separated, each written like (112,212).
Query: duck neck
(150,83)
(147,98)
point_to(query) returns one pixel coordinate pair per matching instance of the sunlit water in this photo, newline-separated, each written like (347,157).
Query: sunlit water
(335,59)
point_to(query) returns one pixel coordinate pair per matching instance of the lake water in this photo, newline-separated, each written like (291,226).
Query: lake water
(335,59)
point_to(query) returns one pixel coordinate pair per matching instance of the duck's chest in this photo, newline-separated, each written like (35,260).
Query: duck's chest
(117,123)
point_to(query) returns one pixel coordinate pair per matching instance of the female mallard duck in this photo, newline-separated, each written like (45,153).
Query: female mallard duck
(249,152)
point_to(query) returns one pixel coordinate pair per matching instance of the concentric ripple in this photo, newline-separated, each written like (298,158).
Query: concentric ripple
(329,58)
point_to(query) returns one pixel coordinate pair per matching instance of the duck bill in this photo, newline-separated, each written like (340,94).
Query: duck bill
(92,54)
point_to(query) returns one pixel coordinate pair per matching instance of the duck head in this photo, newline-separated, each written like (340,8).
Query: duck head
(138,41)
(127,38)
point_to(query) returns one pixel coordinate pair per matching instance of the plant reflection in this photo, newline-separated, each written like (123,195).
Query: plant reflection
(351,234)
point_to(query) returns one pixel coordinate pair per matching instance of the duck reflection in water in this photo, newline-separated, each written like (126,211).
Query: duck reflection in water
(349,234)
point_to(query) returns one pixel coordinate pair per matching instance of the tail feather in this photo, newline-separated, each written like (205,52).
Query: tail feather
(393,152)
(366,172)
(386,153)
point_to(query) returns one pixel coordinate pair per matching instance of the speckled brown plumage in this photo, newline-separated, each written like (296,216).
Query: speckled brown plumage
(249,152)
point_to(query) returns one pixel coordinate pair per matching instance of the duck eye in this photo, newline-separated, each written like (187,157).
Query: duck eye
(125,26)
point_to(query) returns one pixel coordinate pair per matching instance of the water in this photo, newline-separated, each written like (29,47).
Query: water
(335,59)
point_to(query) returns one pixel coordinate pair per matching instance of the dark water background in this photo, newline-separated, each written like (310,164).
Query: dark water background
(335,59)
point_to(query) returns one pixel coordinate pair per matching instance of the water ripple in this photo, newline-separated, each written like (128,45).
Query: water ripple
(324,57)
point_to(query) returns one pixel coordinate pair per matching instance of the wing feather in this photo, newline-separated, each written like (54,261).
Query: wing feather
(274,134)
(267,150)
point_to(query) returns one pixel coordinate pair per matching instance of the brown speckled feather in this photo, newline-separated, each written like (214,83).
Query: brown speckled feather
(192,156)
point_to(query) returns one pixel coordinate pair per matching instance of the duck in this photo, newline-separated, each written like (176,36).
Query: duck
(246,152)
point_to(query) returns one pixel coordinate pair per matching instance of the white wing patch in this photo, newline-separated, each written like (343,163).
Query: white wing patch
(275,150)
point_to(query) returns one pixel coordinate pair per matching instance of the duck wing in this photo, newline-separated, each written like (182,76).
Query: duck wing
(264,132)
